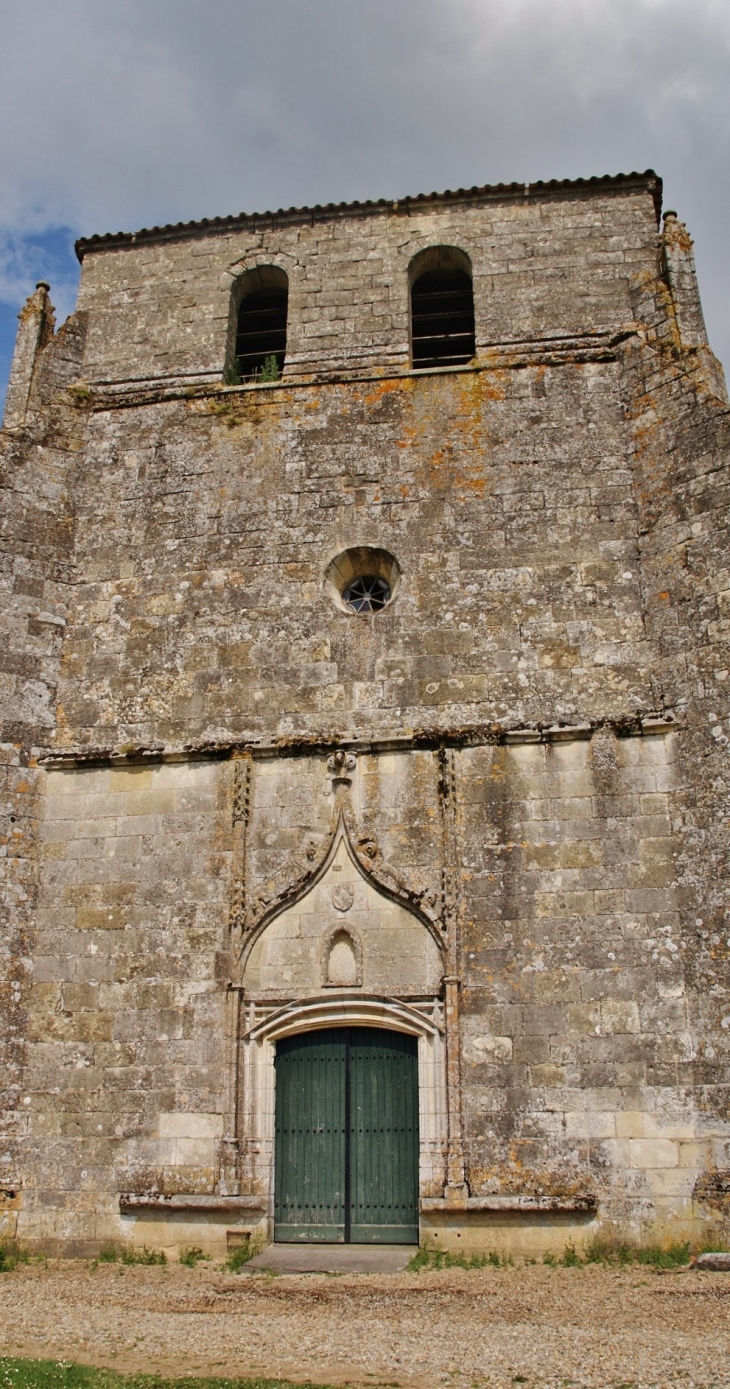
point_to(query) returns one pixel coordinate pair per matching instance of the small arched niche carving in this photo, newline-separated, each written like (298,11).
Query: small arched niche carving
(342,960)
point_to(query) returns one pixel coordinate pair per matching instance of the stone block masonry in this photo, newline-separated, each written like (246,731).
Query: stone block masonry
(492,814)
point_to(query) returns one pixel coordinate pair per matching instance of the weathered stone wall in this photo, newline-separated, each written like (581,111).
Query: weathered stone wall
(537,718)
(124,1087)
(575,1000)
(680,448)
(505,496)
(37,462)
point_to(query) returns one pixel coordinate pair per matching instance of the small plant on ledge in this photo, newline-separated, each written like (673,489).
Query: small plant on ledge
(270,370)
(233,373)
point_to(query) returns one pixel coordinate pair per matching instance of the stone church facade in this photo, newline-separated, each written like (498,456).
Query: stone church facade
(365,681)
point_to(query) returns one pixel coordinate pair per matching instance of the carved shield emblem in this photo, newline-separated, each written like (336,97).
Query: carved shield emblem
(343,897)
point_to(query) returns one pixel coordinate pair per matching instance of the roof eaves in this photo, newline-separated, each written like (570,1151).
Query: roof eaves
(486,192)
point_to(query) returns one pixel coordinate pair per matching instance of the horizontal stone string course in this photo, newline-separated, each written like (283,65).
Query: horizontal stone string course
(627,727)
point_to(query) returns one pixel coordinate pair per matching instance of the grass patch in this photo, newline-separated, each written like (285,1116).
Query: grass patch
(617,1253)
(192,1256)
(611,1252)
(144,1256)
(240,1256)
(65,1374)
(108,1254)
(12,1254)
(428,1258)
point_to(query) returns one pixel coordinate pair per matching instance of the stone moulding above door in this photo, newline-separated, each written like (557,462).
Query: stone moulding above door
(365,854)
(346,1012)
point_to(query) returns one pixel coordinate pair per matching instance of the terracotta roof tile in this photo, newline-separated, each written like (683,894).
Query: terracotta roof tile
(487,192)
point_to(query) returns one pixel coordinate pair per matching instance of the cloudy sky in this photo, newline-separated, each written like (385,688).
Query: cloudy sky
(122,115)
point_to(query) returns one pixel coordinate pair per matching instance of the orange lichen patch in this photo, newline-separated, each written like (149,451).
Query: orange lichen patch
(408,439)
(675,234)
(492,384)
(476,485)
(384,388)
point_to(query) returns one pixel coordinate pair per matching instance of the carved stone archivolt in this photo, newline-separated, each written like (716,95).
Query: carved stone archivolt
(306,868)
(240,813)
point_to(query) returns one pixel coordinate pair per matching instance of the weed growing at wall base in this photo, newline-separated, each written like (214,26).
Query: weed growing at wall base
(108,1254)
(612,1253)
(12,1254)
(144,1256)
(238,1257)
(112,1254)
(441,1258)
(618,1253)
(192,1256)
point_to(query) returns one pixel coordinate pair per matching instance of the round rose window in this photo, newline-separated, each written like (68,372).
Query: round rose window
(363,580)
(366,595)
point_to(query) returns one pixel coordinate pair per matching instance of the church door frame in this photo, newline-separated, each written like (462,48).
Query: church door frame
(346,1137)
(257,1092)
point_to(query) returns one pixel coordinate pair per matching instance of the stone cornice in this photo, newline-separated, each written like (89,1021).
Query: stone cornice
(633,725)
(541,191)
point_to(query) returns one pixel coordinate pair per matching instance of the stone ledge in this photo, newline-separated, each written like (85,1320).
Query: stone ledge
(130,1202)
(467,735)
(588,347)
(434,1204)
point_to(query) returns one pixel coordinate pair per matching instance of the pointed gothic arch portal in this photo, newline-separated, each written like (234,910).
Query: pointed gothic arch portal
(343,1116)
(381,1205)
(396,945)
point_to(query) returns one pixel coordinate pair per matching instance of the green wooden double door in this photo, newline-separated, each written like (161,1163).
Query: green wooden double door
(347,1137)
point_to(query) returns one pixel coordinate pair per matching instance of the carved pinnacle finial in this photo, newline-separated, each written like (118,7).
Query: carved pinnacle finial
(340,766)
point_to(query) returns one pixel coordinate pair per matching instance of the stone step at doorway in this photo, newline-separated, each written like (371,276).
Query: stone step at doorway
(333,1258)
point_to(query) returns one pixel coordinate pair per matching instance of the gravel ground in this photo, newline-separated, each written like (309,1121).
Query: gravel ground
(540,1326)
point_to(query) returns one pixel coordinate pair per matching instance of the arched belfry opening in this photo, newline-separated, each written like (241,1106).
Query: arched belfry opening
(442,308)
(261,298)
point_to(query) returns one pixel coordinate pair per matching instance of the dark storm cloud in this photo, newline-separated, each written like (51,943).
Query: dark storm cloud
(159,110)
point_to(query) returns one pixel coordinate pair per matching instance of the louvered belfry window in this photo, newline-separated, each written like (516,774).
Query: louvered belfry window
(442,318)
(261,333)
